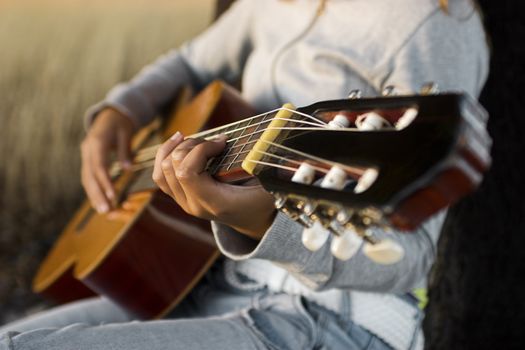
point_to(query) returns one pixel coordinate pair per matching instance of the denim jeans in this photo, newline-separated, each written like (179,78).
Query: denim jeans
(215,315)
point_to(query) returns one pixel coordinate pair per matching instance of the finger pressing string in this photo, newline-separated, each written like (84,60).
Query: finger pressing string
(144,156)
(317,122)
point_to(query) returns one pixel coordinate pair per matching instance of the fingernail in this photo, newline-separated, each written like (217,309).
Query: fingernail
(103,208)
(220,138)
(176,136)
(110,194)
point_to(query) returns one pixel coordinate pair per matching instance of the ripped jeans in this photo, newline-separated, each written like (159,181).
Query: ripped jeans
(215,315)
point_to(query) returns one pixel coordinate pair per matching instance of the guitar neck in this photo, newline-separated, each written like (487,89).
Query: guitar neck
(242,136)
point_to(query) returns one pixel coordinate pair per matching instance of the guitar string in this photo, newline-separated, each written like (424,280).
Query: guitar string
(262,115)
(293,111)
(275,165)
(154,148)
(152,151)
(151,156)
(149,162)
(323,170)
(140,164)
(352,170)
(149,152)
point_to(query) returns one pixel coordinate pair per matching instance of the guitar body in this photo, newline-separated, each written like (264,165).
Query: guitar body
(150,255)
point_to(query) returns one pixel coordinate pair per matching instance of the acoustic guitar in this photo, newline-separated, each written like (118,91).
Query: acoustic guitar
(338,167)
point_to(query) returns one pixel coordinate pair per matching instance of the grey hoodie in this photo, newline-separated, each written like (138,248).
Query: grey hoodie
(286,51)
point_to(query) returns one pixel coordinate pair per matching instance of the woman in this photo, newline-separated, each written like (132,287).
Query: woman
(272,293)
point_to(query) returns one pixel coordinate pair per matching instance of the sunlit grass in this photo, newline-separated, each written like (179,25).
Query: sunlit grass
(56,59)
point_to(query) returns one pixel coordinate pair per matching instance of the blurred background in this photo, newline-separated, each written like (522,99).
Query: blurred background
(57,57)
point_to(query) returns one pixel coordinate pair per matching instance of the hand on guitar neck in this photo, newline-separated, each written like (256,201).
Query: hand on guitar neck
(248,209)
(111,131)
(180,171)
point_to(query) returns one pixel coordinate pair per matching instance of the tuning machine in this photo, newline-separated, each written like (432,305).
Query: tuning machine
(313,217)
(346,242)
(389,90)
(322,215)
(359,231)
(429,88)
(354,94)
(293,206)
(350,229)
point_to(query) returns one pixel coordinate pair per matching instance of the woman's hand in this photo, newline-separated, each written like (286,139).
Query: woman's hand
(180,171)
(111,131)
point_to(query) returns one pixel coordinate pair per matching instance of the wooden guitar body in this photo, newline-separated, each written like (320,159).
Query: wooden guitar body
(149,255)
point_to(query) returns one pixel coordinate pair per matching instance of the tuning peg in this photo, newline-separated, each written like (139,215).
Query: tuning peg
(286,205)
(280,200)
(345,246)
(315,237)
(305,174)
(384,252)
(371,121)
(309,207)
(407,118)
(429,88)
(335,179)
(366,180)
(305,220)
(354,94)
(339,122)
(389,90)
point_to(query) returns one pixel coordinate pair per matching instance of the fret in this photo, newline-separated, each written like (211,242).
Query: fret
(239,131)
(243,145)
(245,136)
(252,136)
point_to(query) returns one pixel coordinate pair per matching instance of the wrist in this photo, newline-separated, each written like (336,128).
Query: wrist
(114,118)
(258,228)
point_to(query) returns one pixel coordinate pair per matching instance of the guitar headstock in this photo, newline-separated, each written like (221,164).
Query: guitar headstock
(348,165)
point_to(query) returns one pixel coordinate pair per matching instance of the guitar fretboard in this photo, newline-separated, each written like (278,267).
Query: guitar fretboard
(242,137)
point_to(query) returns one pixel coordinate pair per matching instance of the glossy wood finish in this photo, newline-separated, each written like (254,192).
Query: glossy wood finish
(147,258)
(159,259)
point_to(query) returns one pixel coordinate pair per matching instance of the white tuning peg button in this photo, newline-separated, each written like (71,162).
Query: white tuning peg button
(385,252)
(407,118)
(345,246)
(339,122)
(335,179)
(366,180)
(315,237)
(371,121)
(305,174)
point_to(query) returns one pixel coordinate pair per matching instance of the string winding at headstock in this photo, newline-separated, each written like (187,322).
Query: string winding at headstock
(342,167)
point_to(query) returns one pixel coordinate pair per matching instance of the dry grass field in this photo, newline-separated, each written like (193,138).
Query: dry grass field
(56,58)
